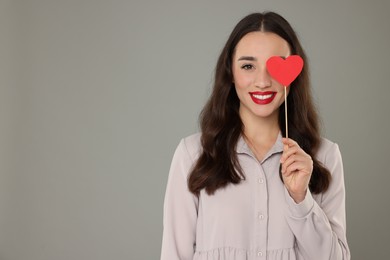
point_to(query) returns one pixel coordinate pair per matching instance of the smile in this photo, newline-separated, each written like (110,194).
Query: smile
(262,98)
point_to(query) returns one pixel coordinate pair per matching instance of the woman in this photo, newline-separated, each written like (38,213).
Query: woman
(239,190)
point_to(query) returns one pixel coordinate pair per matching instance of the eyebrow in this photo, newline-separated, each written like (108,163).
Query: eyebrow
(250,58)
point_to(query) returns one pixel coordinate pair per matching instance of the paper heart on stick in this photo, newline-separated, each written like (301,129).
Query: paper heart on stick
(286,70)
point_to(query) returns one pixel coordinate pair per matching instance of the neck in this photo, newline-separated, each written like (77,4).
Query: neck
(262,131)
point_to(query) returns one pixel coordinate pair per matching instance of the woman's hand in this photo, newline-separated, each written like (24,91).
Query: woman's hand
(297,167)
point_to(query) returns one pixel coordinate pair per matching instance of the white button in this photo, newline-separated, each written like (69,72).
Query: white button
(259,253)
(261,180)
(261,216)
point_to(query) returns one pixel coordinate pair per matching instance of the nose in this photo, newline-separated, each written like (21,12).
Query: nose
(263,79)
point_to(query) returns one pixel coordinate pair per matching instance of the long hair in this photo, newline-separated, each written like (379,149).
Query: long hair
(221,125)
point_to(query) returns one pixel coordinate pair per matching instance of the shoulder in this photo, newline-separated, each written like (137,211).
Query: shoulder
(191,146)
(192,142)
(329,153)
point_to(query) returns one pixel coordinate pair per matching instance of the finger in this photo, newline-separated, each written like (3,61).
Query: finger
(290,142)
(287,163)
(293,158)
(299,166)
(287,153)
(289,174)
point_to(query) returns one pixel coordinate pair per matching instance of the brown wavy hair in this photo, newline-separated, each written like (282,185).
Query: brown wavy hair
(221,125)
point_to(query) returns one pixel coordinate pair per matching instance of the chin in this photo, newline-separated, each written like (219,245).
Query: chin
(266,114)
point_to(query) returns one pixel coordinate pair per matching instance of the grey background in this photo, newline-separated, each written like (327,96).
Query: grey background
(95,96)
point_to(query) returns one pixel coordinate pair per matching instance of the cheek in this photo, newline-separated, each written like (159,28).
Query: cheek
(241,80)
(279,87)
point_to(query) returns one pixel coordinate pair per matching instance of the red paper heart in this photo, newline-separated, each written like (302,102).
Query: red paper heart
(285,71)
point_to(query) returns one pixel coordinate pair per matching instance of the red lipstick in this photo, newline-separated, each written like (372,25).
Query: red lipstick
(262,98)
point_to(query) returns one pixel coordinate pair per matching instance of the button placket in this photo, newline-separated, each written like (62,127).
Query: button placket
(261,213)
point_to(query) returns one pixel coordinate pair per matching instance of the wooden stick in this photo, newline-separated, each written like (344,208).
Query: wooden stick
(285,109)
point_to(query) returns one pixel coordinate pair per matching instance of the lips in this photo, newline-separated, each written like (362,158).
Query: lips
(262,98)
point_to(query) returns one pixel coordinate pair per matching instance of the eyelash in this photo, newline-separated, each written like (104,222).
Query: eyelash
(247,67)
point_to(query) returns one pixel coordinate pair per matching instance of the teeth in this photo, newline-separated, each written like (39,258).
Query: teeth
(262,97)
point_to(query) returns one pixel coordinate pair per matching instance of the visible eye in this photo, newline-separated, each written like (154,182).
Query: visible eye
(247,67)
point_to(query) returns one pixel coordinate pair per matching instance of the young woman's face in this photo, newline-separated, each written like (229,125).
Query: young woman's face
(259,94)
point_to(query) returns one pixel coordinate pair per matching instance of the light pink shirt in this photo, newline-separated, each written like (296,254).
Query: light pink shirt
(256,219)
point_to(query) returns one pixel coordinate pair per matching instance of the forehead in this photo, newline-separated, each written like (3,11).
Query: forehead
(262,45)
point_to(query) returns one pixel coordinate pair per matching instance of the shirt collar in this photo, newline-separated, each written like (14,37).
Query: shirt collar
(243,147)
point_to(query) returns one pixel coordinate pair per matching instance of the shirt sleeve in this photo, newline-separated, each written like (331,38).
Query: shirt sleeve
(320,229)
(180,210)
